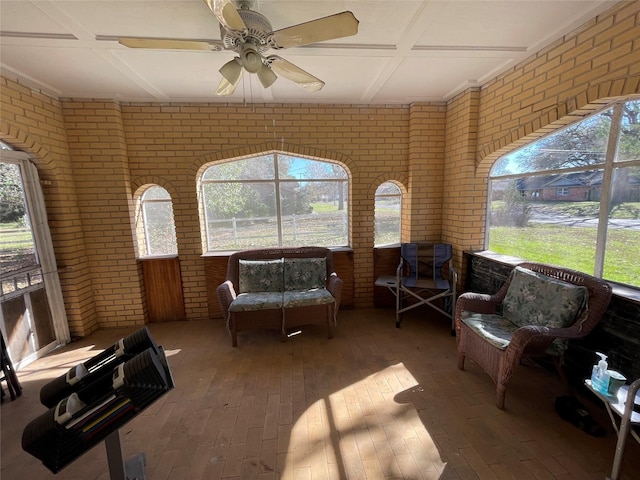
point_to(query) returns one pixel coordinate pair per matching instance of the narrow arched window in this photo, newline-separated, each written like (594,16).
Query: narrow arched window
(157,222)
(388,214)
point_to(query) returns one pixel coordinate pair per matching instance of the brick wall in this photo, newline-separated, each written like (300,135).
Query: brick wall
(34,123)
(97,154)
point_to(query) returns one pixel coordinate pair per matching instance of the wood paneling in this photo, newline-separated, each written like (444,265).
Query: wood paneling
(385,262)
(343,263)
(163,287)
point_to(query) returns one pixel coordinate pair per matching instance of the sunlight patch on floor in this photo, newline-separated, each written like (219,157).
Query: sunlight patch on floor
(362,433)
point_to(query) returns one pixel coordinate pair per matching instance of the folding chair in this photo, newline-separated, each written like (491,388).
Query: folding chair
(419,277)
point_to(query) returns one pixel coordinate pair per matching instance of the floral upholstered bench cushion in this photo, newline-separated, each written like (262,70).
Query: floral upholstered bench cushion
(305,280)
(261,276)
(531,299)
(281,283)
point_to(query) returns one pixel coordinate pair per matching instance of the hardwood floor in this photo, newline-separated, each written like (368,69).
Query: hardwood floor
(375,402)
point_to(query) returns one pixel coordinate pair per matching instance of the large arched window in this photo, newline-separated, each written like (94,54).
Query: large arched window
(572,198)
(275,199)
(158,228)
(388,203)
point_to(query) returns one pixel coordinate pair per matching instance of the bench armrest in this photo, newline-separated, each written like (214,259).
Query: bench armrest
(226,294)
(334,285)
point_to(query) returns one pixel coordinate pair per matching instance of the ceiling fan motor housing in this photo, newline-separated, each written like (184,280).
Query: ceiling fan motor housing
(258,32)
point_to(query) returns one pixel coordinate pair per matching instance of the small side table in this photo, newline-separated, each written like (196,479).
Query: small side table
(621,405)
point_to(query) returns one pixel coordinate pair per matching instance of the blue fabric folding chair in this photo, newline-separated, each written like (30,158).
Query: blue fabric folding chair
(420,279)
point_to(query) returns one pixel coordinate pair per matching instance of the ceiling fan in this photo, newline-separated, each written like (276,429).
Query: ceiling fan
(249,34)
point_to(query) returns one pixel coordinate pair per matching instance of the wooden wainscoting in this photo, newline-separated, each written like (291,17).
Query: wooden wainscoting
(163,288)
(385,262)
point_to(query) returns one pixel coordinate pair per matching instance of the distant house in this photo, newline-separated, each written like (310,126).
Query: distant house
(576,187)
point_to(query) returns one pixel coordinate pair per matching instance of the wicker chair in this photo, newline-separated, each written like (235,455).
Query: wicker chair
(529,340)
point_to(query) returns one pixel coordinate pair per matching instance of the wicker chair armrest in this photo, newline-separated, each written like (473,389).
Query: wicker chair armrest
(226,294)
(538,337)
(477,302)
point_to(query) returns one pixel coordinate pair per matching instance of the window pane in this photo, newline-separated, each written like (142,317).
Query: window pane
(246,206)
(629,144)
(579,145)
(301,168)
(314,213)
(159,225)
(240,215)
(155,193)
(387,214)
(257,168)
(159,228)
(623,232)
(17,248)
(530,220)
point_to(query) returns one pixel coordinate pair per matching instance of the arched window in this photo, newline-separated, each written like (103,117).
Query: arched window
(388,204)
(275,199)
(159,231)
(572,198)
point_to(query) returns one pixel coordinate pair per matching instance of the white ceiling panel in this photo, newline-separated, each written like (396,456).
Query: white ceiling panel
(421,78)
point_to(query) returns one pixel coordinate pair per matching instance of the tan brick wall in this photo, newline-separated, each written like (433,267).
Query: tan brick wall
(566,81)
(175,141)
(97,154)
(34,123)
(99,160)
(464,201)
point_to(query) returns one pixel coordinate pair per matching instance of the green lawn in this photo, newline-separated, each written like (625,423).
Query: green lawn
(571,247)
(14,237)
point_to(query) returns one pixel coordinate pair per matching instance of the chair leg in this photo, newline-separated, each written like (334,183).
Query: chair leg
(461,358)
(501,391)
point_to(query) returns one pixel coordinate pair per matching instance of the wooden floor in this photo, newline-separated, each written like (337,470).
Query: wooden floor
(375,402)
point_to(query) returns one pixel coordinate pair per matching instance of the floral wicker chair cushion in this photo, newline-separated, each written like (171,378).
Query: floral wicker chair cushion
(532,299)
(536,299)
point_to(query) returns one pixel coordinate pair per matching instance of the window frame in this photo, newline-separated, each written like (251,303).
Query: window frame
(278,181)
(399,196)
(608,164)
(146,224)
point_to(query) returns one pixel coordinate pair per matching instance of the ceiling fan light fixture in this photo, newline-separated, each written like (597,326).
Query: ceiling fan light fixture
(266,76)
(251,59)
(232,70)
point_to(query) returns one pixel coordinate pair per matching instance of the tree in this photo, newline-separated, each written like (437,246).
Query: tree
(515,210)
(12,205)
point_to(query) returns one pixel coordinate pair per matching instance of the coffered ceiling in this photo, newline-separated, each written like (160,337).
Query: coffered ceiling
(405,50)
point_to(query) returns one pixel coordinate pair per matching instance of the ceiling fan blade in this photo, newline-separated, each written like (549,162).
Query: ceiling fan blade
(226,87)
(227,14)
(339,25)
(294,73)
(168,44)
